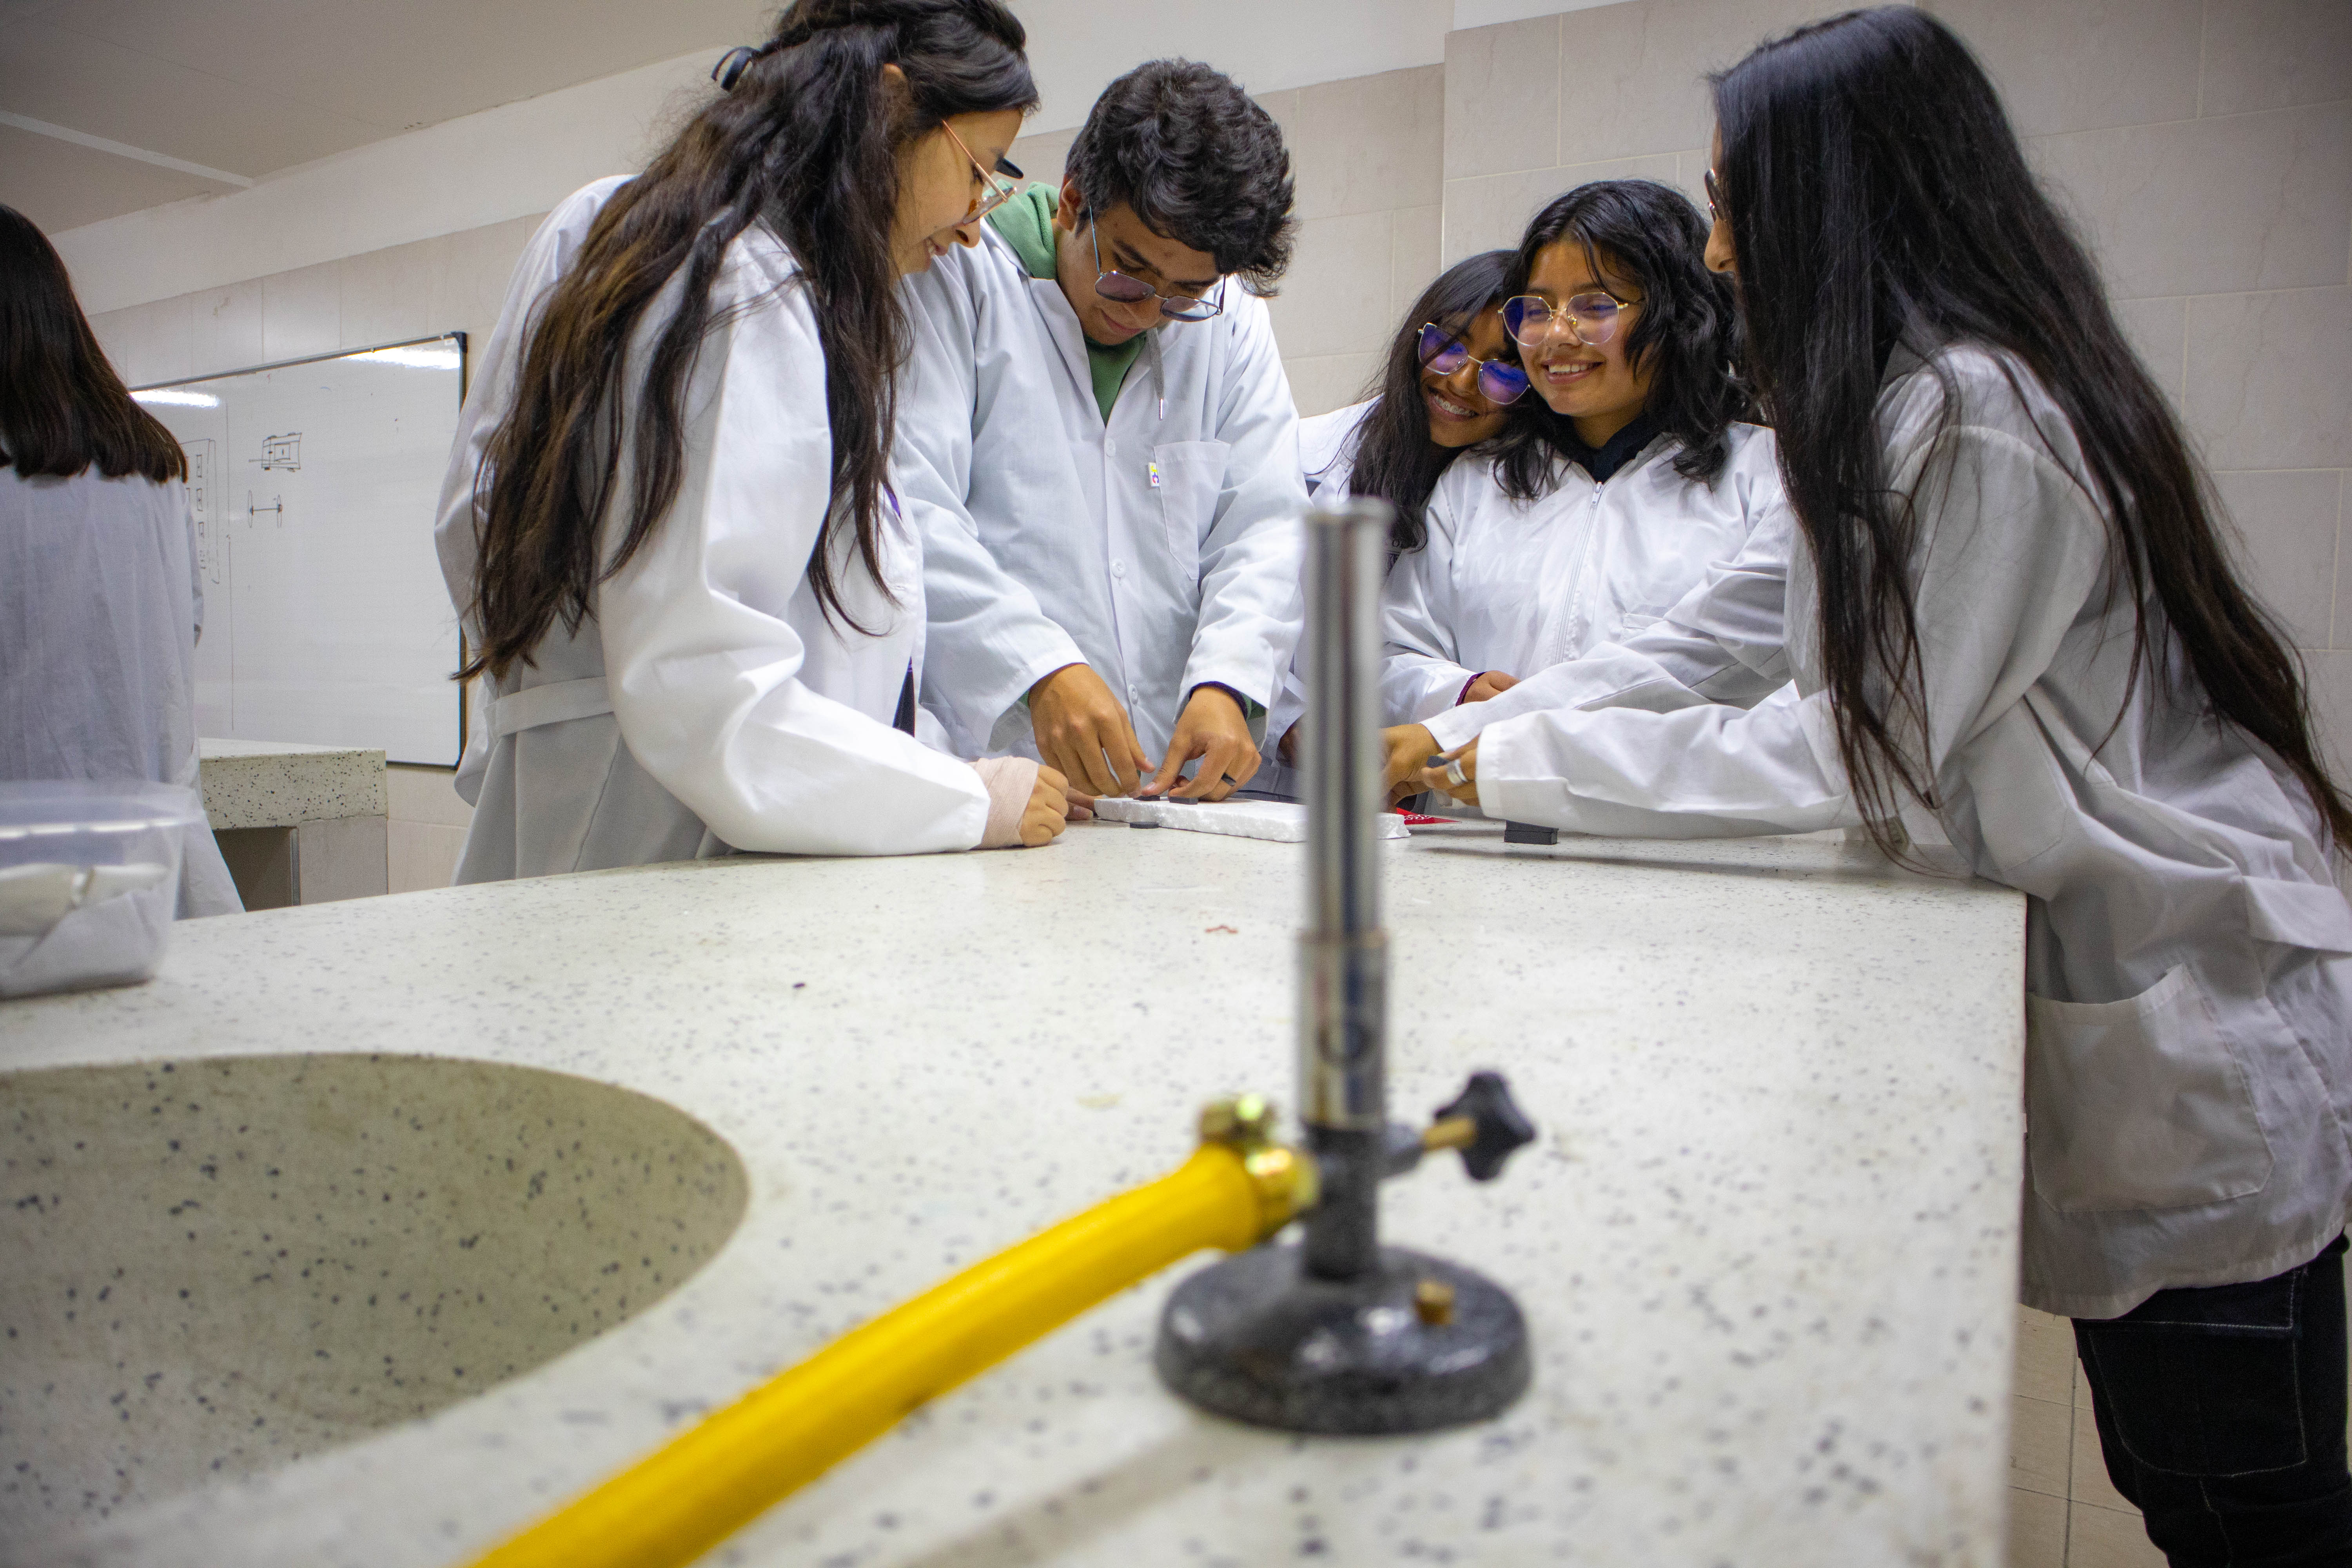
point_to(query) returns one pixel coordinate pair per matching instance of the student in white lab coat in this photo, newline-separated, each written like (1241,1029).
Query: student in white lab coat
(1100,446)
(669,525)
(2014,624)
(99,601)
(1611,494)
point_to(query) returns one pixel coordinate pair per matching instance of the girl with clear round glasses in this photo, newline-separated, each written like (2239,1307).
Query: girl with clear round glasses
(669,525)
(2015,626)
(1604,498)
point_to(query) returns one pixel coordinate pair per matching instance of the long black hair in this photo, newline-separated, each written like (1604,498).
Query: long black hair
(1878,197)
(805,141)
(1649,235)
(62,406)
(1395,459)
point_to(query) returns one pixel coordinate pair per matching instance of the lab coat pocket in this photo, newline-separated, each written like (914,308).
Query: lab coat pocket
(2138,1104)
(1189,475)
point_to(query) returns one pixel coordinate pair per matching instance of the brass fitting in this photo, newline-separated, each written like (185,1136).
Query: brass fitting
(1287,1182)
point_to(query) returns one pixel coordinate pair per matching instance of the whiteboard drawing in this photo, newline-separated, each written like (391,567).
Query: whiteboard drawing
(325,617)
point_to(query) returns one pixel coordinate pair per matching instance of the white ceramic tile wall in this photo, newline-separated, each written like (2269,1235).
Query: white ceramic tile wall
(2205,146)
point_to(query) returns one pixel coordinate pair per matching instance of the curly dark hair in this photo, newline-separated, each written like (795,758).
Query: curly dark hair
(1651,236)
(1199,161)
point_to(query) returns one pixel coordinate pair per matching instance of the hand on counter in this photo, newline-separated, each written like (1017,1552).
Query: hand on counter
(1407,747)
(1436,779)
(1083,731)
(1049,808)
(1213,728)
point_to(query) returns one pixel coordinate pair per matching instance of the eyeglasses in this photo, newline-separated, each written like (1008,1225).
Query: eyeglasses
(1714,196)
(1113,284)
(1444,352)
(1590,319)
(999,191)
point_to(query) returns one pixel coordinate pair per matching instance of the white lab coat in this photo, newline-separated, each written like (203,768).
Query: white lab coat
(1521,587)
(707,702)
(1161,548)
(2188,1014)
(1327,446)
(100,608)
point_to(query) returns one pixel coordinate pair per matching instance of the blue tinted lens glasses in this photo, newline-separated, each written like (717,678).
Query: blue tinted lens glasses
(1498,383)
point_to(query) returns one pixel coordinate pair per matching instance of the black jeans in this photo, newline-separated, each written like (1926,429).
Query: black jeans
(2222,1418)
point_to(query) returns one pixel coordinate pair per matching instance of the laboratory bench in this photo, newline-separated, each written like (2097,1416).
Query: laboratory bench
(1766,1241)
(296,824)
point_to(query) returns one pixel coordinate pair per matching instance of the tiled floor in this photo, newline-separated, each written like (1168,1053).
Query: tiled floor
(2062,1512)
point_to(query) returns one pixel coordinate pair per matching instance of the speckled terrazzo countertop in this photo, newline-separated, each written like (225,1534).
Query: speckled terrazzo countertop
(1766,1243)
(275,783)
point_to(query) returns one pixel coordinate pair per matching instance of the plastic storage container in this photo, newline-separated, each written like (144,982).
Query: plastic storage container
(89,880)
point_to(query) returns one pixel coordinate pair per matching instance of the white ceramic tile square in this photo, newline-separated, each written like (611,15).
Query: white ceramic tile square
(2266,379)
(1492,212)
(420,854)
(2265,54)
(2077,65)
(342,858)
(225,329)
(425,795)
(2286,523)
(1416,245)
(2104,1538)
(2209,206)
(2045,1357)
(2040,1442)
(2037,1530)
(1633,76)
(387,295)
(2158,328)
(1332,381)
(1369,143)
(160,343)
(1040,155)
(1502,97)
(470,288)
(1335,298)
(302,313)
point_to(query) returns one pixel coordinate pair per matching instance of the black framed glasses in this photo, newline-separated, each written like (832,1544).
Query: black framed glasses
(1113,284)
(1444,352)
(1592,319)
(995,193)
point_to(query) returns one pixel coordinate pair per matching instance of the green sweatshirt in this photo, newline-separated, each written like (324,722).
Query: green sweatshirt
(1026,223)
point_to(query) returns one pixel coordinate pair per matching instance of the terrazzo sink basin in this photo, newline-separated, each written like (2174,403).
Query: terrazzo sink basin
(210,1269)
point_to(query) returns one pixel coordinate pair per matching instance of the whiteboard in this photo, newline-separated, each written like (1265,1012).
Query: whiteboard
(315,485)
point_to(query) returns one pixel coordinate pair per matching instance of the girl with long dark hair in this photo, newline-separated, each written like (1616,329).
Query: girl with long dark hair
(667,525)
(99,601)
(2014,624)
(1607,498)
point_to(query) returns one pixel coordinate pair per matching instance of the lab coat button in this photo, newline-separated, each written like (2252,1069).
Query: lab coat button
(1118,568)
(1110,448)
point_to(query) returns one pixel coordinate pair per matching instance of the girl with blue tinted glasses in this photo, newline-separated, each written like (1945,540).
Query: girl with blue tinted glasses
(1605,498)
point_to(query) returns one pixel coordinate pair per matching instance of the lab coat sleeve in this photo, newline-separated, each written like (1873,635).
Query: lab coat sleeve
(1724,642)
(1253,559)
(702,666)
(1419,675)
(987,640)
(2010,551)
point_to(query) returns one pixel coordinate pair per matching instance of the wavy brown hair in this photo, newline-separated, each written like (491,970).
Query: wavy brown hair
(805,140)
(62,407)
(1878,197)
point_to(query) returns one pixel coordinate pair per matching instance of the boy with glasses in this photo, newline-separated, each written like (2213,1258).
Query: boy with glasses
(1097,440)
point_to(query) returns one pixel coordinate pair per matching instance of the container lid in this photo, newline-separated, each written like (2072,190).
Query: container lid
(40,808)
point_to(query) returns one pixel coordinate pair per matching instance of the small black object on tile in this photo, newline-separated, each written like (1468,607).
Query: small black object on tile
(1529,833)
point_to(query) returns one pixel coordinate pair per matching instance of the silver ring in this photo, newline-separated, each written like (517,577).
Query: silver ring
(1455,775)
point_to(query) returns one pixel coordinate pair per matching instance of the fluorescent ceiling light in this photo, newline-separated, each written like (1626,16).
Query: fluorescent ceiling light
(176,398)
(414,359)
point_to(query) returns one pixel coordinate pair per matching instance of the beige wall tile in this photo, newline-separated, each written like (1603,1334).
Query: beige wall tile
(2041,1436)
(425,795)
(2090,1483)
(1416,245)
(2102,1538)
(114,330)
(1492,212)
(2037,1530)
(1333,381)
(387,294)
(2074,65)
(2286,526)
(1335,299)
(2266,379)
(2265,54)
(471,288)
(302,313)
(1369,143)
(1502,97)
(2045,1357)
(1040,157)
(226,329)
(421,855)
(2205,207)
(148,344)
(2158,328)
(1633,77)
